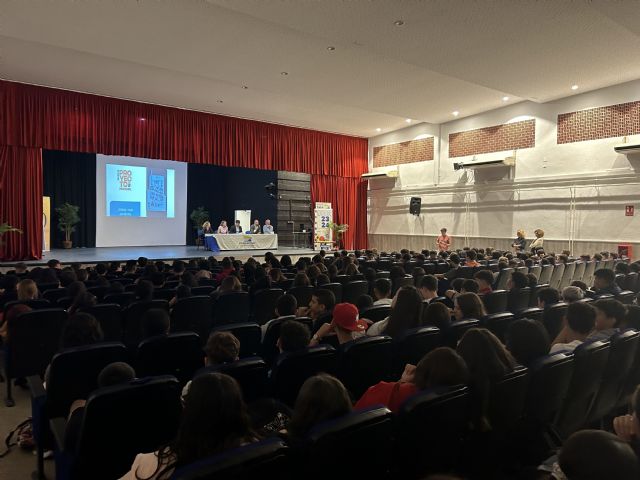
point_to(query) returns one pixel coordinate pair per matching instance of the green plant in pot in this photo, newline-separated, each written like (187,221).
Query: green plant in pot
(68,218)
(338,231)
(198,217)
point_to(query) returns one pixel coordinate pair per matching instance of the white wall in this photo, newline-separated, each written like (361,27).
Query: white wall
(576,192)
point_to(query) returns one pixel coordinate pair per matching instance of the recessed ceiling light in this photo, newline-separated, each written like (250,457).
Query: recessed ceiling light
(505,99)
(331,49)
(455,113)
(142,119)
(408,120)
(244,87)
(378,129)
(398,23)
(220,101)
(284,73)
(574,87)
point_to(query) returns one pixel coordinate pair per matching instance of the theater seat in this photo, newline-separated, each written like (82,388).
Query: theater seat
(533,313)
(292,369)
(132,320)
(120,422)
(414,345)
(33,340)
(376,313)
(518,299)
(503,279)
(508,399)
(177,354)
(265,459)
(231,308)
(250,373)
(330,446)
(351,291)
(122,299)
(552,318)
(36,304)
(495,302)
(626,296)
(249,334)
(203,290)
(302,294)
(545,275)
(498,324)
(457,329)
(550,377)
(193,314)
(589,362)
(264,305)
(364,362)
(54,295)
(429,431)
(110,317)
(336,288)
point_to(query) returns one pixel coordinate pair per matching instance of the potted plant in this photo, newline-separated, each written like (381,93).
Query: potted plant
(68,218)
(338,231)
(198,217)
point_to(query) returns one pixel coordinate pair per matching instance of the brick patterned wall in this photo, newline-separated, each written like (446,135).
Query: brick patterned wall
(405,152)
(498,138)
(601,122)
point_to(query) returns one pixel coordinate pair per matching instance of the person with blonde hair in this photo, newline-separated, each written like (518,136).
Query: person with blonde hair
(206,227)
(537,244)
(519,243)
(223,227)
(26,290)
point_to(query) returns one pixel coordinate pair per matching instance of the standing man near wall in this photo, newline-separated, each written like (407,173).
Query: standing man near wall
(443,242)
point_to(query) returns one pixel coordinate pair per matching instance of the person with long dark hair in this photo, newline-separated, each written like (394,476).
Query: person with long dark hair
(214,420)
(406,313)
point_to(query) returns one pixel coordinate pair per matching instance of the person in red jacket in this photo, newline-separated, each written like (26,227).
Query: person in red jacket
(439,368)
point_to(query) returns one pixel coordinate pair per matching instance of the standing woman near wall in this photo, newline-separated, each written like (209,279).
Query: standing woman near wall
(537,244)
(520,242)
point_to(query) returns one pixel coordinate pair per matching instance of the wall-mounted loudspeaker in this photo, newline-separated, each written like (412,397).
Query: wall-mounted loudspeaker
(414,205)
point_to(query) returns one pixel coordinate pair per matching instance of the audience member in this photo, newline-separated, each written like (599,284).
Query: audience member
(294,336)
(517,281)
(547,297)
(468,306)
(363,302)
(572,294)
(610,315)
(155,321)
(632,318)
(143,291)
(527,340)
(604,282)
(406,313)
(485,281)
(382,291)
(438,315)
(346,325)
(580,321)
(320,306)
(429,288)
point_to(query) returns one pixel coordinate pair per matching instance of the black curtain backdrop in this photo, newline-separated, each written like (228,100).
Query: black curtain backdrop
(223,190)
(71,177)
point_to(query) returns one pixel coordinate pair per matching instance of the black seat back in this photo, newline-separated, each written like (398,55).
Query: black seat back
(626,296)
(122,299)
(110,317)
(589,362)
(177,354)
(54,295)
(192,314)
(552,318)
(74,374)
(550,377)
(34,338)
(503,278)
(414,345)
(376,313)
(125,420)
(292,369)
(250,373)
(621,356)
(35,304)
(249,334)
(457,329)
(417,450)
(232,307)
(364,362)
(302,294)
(336,288)
(351,291)
(545,274)
(132,320)
(269,350)
(203,290)
(508,398)
(533,313)
(268,459)
(496,301)
(264,304)
(518,299)
(498,324)
(331,444)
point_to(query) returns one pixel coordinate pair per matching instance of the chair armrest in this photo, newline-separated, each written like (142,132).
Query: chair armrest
(36,387)
(58,426)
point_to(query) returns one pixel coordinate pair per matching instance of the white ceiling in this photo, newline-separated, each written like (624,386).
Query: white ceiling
(449,55)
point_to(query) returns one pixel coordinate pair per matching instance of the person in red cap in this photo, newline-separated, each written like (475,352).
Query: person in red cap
(345,325)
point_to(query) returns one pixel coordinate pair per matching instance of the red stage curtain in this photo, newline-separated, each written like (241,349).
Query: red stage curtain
(21,201)
(55,119)
(348,197)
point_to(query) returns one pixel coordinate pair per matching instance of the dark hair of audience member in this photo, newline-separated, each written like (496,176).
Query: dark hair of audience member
(221,348)
(470,306)
(519,280)
(115,287)
(214,420)
(81,329)
(527,340)
(429,282)
(548,295)
(363,302)
(155,321)
(382,287)
(74,289)
(581,285)
(438,315)
(188,279)
(326,298)
(116,373)
(285,261)
(67,277)
(406,313)
(294,336)
(143,291)
(533,280)
(441,367)
(183,291)
(632,319)
(456,284)
(612,308)
(322,397)
(470,286)
(596,454)
(82,301)
(322,279)
(286,305)
(301,280)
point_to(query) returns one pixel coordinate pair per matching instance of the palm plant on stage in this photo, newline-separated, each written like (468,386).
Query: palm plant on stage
(198,217)
(68,218)
(338,230)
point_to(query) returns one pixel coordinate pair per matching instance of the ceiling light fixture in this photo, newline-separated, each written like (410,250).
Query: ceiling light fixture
(398,23)
(574,87)
(142,119)
(220,101)
(284,74)
(378,129)
(408,120)
(244,87)
(455,113)
(331,49)
(505,99)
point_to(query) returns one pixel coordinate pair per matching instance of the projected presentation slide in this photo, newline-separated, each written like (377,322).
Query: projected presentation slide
(134,191)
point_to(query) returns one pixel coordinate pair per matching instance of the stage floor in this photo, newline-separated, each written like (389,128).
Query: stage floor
(169,252)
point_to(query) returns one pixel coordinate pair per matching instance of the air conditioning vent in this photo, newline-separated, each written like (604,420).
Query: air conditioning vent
(627,148)
(474,164)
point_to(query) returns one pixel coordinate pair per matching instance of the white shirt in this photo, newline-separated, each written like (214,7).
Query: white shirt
(383,301)
(377,328)
(565,347)
(267,229)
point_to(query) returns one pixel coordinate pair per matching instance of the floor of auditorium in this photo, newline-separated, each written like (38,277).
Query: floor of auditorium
(18,464)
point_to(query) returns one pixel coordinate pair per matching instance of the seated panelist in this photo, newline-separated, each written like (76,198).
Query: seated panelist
(223,227)
(255,228)
(267,228)
(236,228)
(206,227)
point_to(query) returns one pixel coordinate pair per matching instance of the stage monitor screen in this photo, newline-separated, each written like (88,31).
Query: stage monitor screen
(140,201)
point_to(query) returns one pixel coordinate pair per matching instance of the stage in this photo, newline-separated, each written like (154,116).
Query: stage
(168,253)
